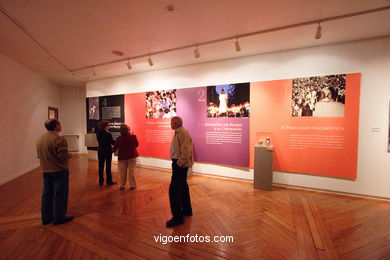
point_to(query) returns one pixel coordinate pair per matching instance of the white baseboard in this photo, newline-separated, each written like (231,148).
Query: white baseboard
(19,173)
(331,191)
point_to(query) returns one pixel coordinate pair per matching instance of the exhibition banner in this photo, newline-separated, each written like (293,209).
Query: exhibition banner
(312,123)
(146,120)
(109,108)
(219,136)
(217,118)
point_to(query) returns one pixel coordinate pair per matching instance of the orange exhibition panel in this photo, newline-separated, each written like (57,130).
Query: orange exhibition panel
(312,123)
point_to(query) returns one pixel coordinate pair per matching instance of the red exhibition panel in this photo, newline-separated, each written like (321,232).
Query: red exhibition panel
(154,134)
(323,143)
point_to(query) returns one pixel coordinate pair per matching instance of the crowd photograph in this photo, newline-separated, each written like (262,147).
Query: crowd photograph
(322,96)
(161,104)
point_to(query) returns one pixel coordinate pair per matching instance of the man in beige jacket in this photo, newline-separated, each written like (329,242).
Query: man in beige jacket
(53,156)
(182,158)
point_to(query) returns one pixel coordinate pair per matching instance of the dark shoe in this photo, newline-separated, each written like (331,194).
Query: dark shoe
(46,222)
(64,220)
(110,183)
(187,214)
(101,182)
(174,222)
(133,188)
(122,188)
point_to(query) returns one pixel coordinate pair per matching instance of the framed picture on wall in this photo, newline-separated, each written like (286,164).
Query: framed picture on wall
(52,113)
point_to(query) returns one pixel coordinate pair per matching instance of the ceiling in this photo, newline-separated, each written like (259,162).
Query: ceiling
(58,37)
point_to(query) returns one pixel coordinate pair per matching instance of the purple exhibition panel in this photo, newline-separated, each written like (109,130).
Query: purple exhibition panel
(218,122)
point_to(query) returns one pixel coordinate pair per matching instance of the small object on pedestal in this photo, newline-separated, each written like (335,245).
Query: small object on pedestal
(267,141)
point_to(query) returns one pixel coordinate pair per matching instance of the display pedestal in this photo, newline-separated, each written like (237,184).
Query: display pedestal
(263,170)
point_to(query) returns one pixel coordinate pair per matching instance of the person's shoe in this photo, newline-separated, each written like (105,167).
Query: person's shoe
(64,220)
(133,188)
(110,183)
(121,187)
(174,222)
(187,214)
(46,222)
(101,182)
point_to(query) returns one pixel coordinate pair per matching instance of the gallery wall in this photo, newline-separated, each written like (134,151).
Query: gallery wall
(73,116)
(371,58)
(306,119)
(25,97)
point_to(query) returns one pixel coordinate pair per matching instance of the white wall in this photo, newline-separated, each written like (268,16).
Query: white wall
(24,97)
(73,116)
(370,57)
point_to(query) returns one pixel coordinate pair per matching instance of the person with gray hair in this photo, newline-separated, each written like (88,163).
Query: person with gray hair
(53,157)
(182,159)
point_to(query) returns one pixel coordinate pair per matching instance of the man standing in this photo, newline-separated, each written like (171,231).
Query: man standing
(182,158)
(53,156)
(106,142)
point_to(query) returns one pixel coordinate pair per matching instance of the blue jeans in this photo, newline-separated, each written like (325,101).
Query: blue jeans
(55,196)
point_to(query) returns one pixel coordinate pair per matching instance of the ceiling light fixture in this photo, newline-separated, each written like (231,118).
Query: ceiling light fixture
(196,52)
(318,34)
(150,61)
(93,73)
(117,52)
(170,8)
(128,65)
(238,47)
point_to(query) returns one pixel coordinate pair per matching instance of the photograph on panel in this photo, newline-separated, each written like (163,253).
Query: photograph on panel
(321,96)
(112,109)
(161,104)
(231,100)
(93,108)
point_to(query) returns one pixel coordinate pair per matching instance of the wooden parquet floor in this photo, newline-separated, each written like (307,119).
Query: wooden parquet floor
(114,224)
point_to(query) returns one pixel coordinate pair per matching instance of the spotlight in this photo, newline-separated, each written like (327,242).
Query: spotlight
(128,65)
(318,32)
(150,61)
(93,73)
(196,52)
(238,47)
(170,8)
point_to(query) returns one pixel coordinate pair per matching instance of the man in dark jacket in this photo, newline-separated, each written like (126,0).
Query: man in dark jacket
(106,142)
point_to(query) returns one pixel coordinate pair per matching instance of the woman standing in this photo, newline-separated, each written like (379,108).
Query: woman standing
(105,141)
(126,144)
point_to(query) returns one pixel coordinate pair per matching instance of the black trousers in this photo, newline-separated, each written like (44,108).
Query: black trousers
(105,157)
(179,194)
(55,196)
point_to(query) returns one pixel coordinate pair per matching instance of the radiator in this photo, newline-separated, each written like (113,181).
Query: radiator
(73,142)
(90,140)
